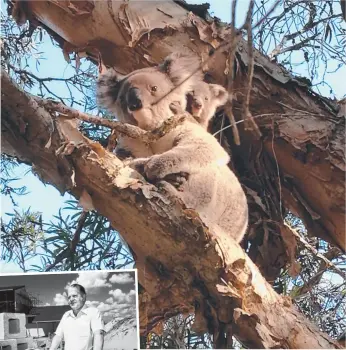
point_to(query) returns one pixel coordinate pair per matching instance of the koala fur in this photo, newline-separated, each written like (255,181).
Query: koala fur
(211,188)
(203,101)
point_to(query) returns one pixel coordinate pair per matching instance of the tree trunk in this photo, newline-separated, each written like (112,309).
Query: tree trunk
(298,165)
(179,266)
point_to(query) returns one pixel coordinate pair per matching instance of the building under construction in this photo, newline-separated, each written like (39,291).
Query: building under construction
(16,299)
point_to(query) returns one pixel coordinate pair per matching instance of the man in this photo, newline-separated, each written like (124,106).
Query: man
(81,328)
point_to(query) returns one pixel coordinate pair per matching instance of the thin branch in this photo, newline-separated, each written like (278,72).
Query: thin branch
(23,71)
(278,50)
(76,237)
(279,17)
(230,60)
(281,115)
(314,280)
(314,251)
(271,10)
(123,128)
(249,122)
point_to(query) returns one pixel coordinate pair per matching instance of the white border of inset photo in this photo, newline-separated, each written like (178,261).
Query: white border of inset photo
(32,306)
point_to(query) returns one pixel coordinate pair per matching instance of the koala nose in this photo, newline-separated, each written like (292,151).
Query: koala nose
(133,100)
(197,104)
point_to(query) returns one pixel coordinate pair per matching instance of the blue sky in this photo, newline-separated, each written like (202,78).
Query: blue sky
(46,199)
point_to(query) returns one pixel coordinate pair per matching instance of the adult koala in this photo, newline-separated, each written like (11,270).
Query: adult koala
(144,98)
(120,95)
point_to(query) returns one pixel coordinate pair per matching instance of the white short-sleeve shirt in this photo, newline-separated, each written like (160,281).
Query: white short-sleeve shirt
(77,331)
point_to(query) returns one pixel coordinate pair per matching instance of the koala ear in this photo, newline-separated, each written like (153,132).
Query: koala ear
(219,93)
(179,67)
(108,87)
(108,76)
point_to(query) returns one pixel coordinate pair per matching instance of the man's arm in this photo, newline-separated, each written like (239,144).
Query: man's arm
(59,335)
(97,327)
(98,340)
(56,342)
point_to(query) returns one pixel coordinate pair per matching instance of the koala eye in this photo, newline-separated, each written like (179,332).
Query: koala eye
(154,88)
(206,98)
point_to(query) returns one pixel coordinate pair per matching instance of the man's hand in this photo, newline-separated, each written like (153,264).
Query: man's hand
(55,343)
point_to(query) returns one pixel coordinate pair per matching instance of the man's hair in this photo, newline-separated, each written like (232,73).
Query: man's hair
(79,287)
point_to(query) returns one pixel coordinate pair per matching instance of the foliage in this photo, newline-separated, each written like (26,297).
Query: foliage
(7,169)
(318,291)
(19,237)
(306,37)
(77,241)
(177,332)
(98,245)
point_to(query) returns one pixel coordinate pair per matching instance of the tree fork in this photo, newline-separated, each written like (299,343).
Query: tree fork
(179,265)
(303,133)
(300,160)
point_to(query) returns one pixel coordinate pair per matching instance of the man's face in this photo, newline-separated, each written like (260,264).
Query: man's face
(75,299)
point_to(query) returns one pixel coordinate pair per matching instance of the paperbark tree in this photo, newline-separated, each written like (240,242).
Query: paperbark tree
(297,164)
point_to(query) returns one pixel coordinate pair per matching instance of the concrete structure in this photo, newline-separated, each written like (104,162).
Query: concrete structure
(9,344)
(24,343)
(12,326)
(44,320)
(15,299)
(15,307)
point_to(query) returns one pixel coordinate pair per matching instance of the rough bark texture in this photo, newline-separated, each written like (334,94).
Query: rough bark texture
(180,268)
(298,164)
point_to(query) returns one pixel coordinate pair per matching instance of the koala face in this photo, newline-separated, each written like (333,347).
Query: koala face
(147,98)
(198,99)
(143,97)
(110,87)
(204,99)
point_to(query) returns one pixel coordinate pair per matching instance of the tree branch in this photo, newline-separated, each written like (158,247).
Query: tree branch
(216,275)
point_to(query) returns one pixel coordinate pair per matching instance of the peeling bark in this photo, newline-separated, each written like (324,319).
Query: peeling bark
(298,164)
(180,267)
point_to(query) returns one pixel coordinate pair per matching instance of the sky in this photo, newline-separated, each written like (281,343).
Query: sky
(113,293)
(45,198)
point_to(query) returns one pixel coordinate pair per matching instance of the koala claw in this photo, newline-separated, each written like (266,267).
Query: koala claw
(177,180)
(168,188)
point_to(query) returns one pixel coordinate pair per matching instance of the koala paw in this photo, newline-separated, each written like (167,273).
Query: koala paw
(177,180)
(138,164)
(170,190)
(175,107)
(156,168)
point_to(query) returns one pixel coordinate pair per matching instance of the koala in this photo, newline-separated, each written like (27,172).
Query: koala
(203,101)
(144,108)
(211,188)
(145,98)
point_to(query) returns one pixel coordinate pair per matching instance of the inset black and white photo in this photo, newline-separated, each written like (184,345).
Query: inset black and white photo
(86,310)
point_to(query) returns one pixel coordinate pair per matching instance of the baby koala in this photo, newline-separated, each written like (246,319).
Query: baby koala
(146,97)
(203,101)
